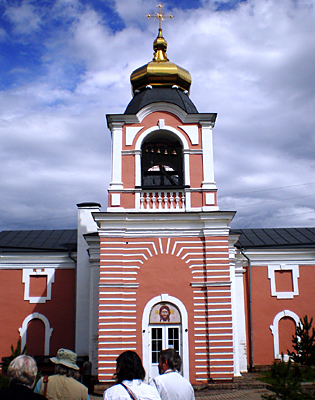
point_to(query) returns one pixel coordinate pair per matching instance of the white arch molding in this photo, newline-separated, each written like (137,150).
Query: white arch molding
(275,331)
(176,132)
(48,330)
(146,354)
(166,128)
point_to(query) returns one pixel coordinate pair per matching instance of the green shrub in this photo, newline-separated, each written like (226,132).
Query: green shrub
(304,343)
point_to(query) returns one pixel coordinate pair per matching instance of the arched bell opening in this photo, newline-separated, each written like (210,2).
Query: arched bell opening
(162,162)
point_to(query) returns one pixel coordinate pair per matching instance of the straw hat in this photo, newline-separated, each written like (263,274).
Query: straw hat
(66,357)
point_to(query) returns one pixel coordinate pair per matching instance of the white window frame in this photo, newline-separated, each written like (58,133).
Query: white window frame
(26,279)
(146,336)
(294,268)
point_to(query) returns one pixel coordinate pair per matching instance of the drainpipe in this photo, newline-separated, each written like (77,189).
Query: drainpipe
(251,364)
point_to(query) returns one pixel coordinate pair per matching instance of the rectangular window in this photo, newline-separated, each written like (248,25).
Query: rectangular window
(156,344)
(173,338)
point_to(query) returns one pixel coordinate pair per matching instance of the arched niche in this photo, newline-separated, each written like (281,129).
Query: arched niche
(162,161)
(275,331)
(48,330)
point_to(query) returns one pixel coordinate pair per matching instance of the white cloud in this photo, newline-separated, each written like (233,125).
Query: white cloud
(253,65)
(25,17)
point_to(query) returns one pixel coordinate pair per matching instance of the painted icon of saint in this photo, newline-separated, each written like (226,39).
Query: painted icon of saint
(165,313)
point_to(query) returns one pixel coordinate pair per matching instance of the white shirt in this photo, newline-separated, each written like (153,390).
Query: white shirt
(141,390)
(172,386)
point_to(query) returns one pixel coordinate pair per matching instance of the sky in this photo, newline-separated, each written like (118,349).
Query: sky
(65,64)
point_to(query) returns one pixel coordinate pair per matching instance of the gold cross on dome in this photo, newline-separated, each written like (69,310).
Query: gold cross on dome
(160,16)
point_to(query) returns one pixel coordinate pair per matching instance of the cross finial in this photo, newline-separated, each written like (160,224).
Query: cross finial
(160,16)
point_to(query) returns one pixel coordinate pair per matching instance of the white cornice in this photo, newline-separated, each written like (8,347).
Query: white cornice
(20,260)
(205,119)
(260,257)
(163,224)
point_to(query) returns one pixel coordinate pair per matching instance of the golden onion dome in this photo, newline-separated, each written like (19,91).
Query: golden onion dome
(160,72)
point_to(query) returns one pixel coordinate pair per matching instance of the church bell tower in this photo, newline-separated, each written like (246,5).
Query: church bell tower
(162,157)
(165,270)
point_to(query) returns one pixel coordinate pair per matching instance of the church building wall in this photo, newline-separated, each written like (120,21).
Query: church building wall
(32,302)
(193,270)
(282,293)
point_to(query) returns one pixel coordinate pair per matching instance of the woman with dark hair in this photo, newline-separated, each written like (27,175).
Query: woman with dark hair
(129,376)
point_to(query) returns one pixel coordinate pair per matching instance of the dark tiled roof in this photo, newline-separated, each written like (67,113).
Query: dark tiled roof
(61,240)
(282,237)
(165,95)
(66,239)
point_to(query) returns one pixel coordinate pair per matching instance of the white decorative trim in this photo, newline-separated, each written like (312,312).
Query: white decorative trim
(48,330)
(207,159)
(192,132)
(155,107)
(27,273)
(146,337)
(115,199)
(275,331)
(131,132)
(116,130)
(295,276)
(210,284)
(210,199)
(161,123)
(166,128)
(184,143)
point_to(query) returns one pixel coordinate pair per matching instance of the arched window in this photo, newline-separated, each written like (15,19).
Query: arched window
(162,161)
(275,331)
(48,330)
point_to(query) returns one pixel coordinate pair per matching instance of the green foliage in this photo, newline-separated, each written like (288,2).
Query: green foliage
(14,353)
(286,382)
(18,350)
(304,343)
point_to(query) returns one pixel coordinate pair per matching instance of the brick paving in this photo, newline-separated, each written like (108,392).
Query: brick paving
(245,387)
(235,394)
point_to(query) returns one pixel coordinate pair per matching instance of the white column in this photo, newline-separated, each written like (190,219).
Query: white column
(138,167)
(207,157)
(186,168)
(116,178)
(86,224)
(240,325)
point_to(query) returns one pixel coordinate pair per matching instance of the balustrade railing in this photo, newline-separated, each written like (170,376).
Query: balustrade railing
(151,200)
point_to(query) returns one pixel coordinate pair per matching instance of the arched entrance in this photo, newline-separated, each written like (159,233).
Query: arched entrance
(164,325)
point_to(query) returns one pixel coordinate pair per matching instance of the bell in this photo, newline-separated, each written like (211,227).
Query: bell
(174,153)
(152,150)
(165,151)
(158,151)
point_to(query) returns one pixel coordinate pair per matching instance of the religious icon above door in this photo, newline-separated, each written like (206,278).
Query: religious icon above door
(165,313)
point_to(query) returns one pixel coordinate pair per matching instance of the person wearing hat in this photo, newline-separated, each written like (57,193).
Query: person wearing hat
(62,385)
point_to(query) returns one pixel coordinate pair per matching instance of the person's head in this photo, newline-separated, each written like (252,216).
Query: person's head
(165,313)
(129,367)
(23,370)
(169,359)
(65,361)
